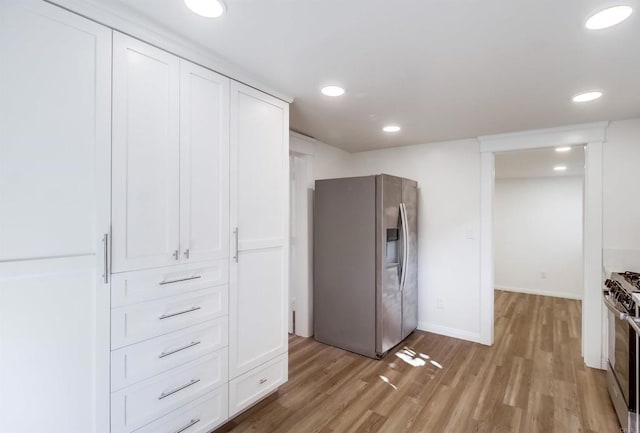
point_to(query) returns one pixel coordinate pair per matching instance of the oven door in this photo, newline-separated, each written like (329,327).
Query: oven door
(634,413)
(620,348)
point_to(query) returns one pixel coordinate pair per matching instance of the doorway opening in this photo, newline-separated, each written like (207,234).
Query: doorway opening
(538,245)
(538,222)
(300,265)
(591,137)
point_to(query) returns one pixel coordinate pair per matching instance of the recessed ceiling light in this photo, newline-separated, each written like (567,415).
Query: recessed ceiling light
(587,96)
(560,167)
(206,8)
(608,17)
(391,128)
(332,91)
(563,149)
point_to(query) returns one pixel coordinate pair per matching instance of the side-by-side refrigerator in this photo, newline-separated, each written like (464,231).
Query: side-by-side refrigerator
(365,262)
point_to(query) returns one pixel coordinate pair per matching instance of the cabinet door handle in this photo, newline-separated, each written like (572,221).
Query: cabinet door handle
(180,349)
(190,310)
(178,389)
(235,232)
(105,240)
(263,381)
(195,277)
(191,424)
(176,254)
(186,253)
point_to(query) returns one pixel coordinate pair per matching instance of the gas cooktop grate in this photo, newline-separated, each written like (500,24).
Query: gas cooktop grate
(632,278)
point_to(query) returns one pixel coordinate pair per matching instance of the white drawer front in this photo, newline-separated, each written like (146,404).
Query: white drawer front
(137,362)
(257,383)
(150,319)
(140,286)
(146,401)
(201,416)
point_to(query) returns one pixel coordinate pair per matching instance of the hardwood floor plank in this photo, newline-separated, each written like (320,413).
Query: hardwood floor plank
(531,380)
(402,416)
(517,392)
(370,422)
(539,415)
(505,419)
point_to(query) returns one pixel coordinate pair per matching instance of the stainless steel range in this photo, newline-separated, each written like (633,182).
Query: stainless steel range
(624,328)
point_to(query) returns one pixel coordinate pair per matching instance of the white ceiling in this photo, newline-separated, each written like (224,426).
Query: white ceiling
(539,163)
(441,69)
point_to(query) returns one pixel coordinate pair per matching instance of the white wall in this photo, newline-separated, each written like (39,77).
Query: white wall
(448,176)
(314,160)
(621,201)
(538,230)
(330,162)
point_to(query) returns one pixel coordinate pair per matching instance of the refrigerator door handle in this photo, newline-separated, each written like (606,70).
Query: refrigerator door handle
(405,245)
(401,258)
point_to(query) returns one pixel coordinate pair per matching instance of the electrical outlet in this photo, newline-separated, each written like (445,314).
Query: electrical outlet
(543,275)
(440,304)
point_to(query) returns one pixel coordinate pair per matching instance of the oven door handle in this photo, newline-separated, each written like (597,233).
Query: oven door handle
(620,315)
(633,322)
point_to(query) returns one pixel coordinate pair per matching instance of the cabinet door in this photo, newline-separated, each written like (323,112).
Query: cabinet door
(145,156)
(259,211)
(55,82)
(204,162)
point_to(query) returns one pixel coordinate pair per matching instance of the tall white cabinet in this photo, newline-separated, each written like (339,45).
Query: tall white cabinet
(170,289)
(200,199)
(259,268)
(55,129)
(143,233)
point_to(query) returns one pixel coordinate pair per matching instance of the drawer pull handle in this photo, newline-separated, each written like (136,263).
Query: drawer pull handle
(178,389)
(190,310)
(171,352)
(191,424)
(195,277)
(262,381)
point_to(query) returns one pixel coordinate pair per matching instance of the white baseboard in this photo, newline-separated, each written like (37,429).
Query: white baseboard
(602,365)
(565,295)
(450,332)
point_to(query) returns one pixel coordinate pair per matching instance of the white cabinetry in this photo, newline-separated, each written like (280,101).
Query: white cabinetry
(200,416)
(204,164)
(55,114)
(130,147)
(170,159)
(257,383)
(145,156)
(169,343)
(259,216)
(169,317)
(137,405)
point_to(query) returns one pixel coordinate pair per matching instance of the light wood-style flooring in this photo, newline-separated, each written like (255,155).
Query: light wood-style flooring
(531,380)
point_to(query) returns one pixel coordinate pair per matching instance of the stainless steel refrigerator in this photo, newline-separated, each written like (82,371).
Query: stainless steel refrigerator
(365,297)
